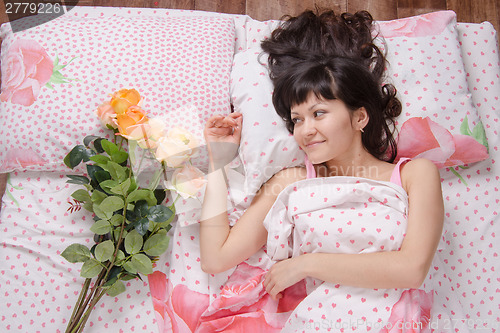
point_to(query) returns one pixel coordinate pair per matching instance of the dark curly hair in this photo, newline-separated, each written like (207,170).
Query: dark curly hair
(310,34)
(334,57)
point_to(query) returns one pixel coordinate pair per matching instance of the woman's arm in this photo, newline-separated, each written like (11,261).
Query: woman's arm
(406,268)
(222,247)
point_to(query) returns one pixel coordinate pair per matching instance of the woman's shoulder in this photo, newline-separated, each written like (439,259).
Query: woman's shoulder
(288,176)
(419,171)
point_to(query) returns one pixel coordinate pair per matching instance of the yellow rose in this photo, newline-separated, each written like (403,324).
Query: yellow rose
(106,115)
(131,122)
(187,181)
(123,99)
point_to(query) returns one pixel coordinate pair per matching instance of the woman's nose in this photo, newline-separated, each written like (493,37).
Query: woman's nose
(309,127)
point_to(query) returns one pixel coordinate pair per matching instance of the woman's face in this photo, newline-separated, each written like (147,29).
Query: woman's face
(324,129)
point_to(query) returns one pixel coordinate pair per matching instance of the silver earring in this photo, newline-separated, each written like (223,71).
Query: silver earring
(361,130)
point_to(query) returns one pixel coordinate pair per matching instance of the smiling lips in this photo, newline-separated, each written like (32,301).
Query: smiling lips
(313,144)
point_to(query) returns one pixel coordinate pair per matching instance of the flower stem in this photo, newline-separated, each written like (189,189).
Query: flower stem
(79,302)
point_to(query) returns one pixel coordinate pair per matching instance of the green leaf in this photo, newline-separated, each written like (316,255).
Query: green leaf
(80,180)
(129,267)
(156,244)
(101,227)
(101,159)
(112,204)
(108,184)
(159,213)
(120,256)
(464,127)
(142,263)
(133,242)
(76,253)
(91,268)
(116,220)
(479,134)
(104,215)
(109,147)
(81,195)
(142,226)
(92,170)
(116,171)
(97,197)
(142,194)
(117,288)
(98,146)
(89,139)
(104,251)
(121,188)
(102,175)
(119,157)
(141,208)
(75,156)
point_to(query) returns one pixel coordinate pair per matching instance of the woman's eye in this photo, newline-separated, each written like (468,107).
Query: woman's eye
(295,120)
(319,113)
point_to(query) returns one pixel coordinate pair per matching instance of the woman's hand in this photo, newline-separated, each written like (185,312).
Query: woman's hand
(284,274)
(223,135)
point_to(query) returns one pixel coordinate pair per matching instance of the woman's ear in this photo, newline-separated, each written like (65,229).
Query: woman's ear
(360,119)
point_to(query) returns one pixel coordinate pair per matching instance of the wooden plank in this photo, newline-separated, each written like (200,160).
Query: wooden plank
(408,8)
(222,6)
(274,9)
(174,4)
(475,11)
(380,9)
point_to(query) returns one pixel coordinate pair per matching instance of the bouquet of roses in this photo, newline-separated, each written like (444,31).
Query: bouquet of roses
(130,221)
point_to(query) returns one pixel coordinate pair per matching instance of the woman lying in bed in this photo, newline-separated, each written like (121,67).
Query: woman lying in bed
(359,230)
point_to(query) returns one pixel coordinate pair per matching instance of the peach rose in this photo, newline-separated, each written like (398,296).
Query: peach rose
(27,69)
(177,147)
(187,181)
(123,99)
(151,132)
(178,133)
(131,122)
(106,114)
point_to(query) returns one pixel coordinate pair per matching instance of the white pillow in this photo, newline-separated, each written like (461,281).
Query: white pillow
(180,65)
(425,66)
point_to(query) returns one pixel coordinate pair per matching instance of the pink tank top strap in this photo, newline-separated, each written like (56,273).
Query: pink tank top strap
(396,173)
(311,172)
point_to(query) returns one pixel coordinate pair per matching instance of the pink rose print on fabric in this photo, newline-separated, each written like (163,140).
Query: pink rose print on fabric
(244,305)
(178,308)
(411,314)
(21,158)
(28,68)
(417,26)
(422,137)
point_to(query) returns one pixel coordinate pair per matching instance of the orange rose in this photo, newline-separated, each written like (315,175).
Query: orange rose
(129,121)
(123,99)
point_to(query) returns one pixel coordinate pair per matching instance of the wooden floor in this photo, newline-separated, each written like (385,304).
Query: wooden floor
(475,11)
